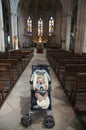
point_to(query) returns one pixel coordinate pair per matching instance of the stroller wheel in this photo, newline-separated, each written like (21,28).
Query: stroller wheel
(49,121)
(26,121)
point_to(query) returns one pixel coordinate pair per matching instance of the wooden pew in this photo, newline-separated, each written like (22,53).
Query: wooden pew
(69,77)
(78,97)
(6,75)
(73,75)
(14,66)
(61,65)
(55,57)
(19,58)
(6,81)
(63,62)
(26,55)
(22,57)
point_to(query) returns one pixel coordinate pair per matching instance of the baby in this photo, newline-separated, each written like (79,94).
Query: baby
(40,85)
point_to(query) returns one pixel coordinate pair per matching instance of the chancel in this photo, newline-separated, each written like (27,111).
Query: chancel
(48,32)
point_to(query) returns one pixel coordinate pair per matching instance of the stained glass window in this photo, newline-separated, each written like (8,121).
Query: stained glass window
(51,26)
(40,27)
(29,26)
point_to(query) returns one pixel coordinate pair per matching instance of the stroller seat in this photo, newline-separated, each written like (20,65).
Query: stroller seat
(36,75)
(42,71)
(44,103)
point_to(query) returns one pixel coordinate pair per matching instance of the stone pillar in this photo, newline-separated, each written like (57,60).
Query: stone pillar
(12,32)
(58,27)
(14,29)
(14,5)
(20,28)
(80,37)
(84,27)
(84,45)
(2,43)
(66,29)
(35,28)
(46,27)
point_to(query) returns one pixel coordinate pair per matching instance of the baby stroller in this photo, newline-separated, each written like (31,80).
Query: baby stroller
(46,105)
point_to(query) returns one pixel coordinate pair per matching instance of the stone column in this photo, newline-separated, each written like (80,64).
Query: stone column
(66,29)
(84,43)
(58,28)
(2,43)
(14,4)
(20,28)
(35,28)
(80,38)
(12,32)
(14,29)
(45,27)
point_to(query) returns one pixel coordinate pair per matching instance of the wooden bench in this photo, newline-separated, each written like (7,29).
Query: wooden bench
(69,76)
(21,63)
(12,65)
(15,66)
(79,87)
(6,75)
(55,57)
(78,97)
(26,55)
(63,62)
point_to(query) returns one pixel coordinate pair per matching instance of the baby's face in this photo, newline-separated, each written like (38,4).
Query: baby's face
(40,80)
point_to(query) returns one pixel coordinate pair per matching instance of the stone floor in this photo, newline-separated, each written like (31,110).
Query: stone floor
(17,104)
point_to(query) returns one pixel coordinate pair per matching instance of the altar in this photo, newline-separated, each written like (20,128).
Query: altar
(40,45)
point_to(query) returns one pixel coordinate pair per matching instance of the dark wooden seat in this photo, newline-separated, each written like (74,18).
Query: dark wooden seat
(54,58)
(78,97)
(69,77)
(62,64)
(6,75)
(71,70)
(14,66)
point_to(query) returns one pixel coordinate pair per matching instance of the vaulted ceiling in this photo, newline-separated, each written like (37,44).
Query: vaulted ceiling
(40,5)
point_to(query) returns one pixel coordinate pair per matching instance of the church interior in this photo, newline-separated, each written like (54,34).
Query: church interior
(51,32)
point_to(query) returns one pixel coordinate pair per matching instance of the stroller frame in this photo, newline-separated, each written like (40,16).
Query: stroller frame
(26,120)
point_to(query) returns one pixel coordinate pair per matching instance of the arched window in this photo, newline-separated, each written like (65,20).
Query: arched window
(51,26)
(29,26)
(40,27)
